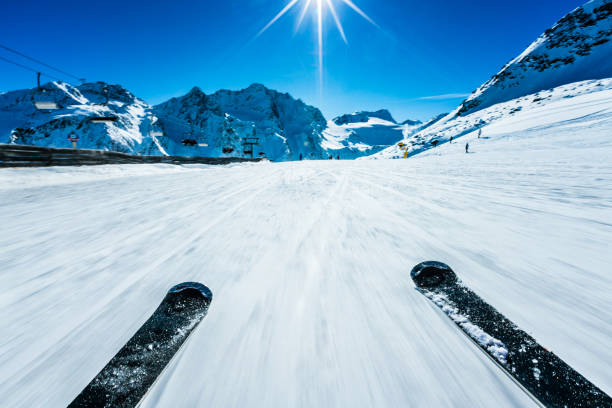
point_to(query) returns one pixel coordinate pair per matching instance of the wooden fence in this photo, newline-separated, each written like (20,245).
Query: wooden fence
(35,156)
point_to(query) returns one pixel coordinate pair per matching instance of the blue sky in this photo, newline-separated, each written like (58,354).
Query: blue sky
(162,49)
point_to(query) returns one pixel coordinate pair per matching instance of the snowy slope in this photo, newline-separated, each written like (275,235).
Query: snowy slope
(577,48)
(22,123)
(309,264)
(365,133)
(550,106)
(286,128)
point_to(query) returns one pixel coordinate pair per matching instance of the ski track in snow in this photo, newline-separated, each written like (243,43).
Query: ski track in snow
(309,265)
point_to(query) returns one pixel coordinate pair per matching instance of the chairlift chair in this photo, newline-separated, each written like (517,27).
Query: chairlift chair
(40,99)
(189,142)
(43,101)
(103,119)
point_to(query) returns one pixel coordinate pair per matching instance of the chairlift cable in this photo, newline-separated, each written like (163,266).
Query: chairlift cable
(29,68)
(41,63)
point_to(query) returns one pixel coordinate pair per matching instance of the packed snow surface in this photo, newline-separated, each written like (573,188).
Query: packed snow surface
(309,263)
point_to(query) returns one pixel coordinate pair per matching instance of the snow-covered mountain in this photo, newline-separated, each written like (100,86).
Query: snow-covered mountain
(364,116)
(549,106)
(109,117)
(102,116)
(286,128)
(571,59)
(365,133)
(577,48)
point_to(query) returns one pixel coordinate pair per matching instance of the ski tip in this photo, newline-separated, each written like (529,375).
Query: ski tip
(192,286)
(431,274)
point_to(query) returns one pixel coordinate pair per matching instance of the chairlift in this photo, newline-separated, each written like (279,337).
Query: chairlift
(249,144)
(103,119)
(45,105)
(40,99)
(43,101)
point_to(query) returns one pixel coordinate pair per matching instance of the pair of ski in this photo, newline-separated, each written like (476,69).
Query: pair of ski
(547,379)
(543,376)
(125,380)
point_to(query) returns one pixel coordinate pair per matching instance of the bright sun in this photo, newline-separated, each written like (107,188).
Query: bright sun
(318,5)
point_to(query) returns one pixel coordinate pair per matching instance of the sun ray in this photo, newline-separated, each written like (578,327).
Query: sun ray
(360,12)
(320,34)
(279,15)
(336,19)
(302,15)
(319,7)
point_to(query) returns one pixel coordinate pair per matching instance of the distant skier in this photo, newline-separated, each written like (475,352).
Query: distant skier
(301,157)
(338,157)
(467,147)
(479,133)
(451,139)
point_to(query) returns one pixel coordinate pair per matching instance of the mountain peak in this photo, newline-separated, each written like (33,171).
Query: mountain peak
(364,116)
(286,128)
(257,87)
(410,122)
(195,91)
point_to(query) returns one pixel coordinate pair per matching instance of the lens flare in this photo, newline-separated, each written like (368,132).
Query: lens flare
(320,7)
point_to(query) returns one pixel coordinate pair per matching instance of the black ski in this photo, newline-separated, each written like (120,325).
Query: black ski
(129,375)
(538,371)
